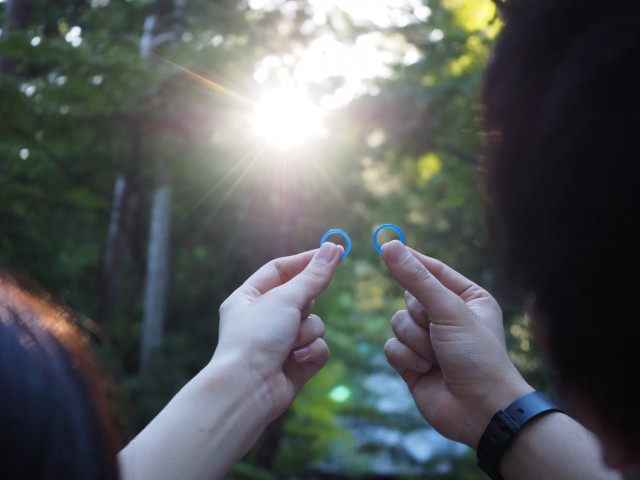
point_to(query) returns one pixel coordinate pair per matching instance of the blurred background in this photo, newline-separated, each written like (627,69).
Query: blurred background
(153,154)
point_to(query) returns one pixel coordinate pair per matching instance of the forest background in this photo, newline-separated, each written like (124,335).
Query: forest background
(153,154)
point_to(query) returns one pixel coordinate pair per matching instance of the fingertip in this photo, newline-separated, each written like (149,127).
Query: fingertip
(311,328)
(423,365)
(302,354)
(321,356)
(328,252)
(391,348)
(316,353)
(394,252)
(388,346)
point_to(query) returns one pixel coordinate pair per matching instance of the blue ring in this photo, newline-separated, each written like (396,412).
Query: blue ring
(381,227)
(339,232)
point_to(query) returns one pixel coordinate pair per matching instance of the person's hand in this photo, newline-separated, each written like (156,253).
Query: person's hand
(449,346)
(267,330)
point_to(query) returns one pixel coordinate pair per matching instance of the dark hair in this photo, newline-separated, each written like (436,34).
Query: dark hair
(561,108)
(53,414)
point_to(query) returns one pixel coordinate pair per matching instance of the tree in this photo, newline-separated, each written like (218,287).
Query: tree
(85,123)
(157,272)
(17,16)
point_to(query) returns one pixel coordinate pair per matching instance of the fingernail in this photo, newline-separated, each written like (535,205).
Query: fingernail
(394,251)
(423,365)
(301,354)
(327,253)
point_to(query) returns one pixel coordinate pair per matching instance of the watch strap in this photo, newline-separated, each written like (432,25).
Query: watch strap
(505,425)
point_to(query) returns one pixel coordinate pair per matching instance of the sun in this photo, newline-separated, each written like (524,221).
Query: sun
(287,118)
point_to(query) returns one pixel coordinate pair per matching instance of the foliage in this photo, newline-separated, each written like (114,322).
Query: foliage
(82,107)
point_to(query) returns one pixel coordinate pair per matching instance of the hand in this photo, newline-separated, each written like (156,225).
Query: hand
(449,346)
(266,328)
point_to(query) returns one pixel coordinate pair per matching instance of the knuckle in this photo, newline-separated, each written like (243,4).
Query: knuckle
(396,319)
(321,329)
(398,322)
(417,274)
(312,275)
(323,349)
(317,325)
(282,274)
(496,306)
(224,306)
(389,347)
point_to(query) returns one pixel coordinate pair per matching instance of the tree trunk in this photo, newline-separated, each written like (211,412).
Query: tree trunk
(111,269)
(18,15)
(157,277)
(117,249)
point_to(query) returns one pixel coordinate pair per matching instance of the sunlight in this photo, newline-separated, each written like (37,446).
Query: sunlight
(383,14)
(287,118)
(358,65)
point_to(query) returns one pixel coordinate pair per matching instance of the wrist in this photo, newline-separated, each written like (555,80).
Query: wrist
(230,376)
(505,426)
(499,397)
(207,426)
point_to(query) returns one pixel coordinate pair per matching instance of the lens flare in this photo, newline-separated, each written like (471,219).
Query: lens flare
(340,394)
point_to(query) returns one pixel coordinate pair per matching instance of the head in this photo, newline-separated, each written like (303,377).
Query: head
(53,420)
(561,108)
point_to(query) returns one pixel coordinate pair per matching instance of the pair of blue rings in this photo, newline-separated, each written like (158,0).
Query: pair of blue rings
(375,237)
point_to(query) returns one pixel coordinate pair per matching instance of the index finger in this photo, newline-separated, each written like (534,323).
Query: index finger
(272,275)
(306,275)
(453,280)
(442,304)
(279,271)
(313,280)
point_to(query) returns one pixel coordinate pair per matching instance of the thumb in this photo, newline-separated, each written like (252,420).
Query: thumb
(442,305)
(314,279)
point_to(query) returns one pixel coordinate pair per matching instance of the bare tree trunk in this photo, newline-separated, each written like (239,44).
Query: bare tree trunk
(117,248)
(157,275)
(111,268)
(18,15)
(157,279)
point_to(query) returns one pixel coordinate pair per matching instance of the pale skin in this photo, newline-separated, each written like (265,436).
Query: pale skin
(269,346)
(449,347)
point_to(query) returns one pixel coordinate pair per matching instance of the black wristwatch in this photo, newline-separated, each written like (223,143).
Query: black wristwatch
(505,425)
